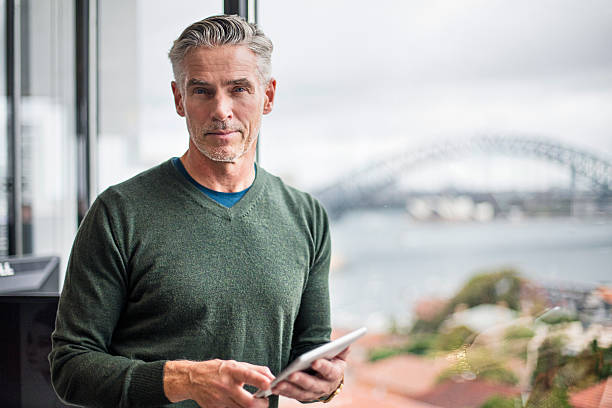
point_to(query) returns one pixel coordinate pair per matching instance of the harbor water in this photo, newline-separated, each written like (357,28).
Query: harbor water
(384,262)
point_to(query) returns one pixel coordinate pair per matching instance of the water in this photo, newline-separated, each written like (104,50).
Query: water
(386,261)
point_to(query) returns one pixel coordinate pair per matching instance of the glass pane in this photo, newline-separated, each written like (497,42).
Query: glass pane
(463,154)
(3,137)
(48,134)
(138,125)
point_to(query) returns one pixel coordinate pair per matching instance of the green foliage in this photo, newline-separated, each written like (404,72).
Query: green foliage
(498,401)
(550,358)
(454,371)
(491,288)
(487,288)
(555,373)
(515,341)
(380,353)
(559,318)
(498,375)
(419,345)
(428,326)
(591,366)
(479,363)
(518,332)
(454,339)
(516,348)
(555,397)
(604,365)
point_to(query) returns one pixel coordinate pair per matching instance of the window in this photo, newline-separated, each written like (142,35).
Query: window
(446,140)
(3,141)
(138,125)
(45,67)
(462,150)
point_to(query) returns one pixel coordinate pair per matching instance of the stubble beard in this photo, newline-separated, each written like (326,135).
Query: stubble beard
(221,154)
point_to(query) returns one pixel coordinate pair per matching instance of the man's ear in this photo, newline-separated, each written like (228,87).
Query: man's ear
(178,99)
(270,91)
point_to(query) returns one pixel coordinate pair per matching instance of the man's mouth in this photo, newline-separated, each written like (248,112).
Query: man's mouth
(221,132)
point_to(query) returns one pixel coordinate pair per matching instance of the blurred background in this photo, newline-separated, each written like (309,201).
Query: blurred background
(463,151)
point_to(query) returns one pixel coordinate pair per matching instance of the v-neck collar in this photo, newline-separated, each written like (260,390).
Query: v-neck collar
(241,208)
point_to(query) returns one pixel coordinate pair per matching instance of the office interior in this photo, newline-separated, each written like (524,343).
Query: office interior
(63,139)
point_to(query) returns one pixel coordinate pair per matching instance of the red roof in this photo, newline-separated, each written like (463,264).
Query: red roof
(358,396)
(375,385)
(467,394)
(403,381)
(605,293)
(405,374)
(597,396)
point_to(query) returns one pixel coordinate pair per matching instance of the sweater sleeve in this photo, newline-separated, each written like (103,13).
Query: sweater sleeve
(313,323)
(83,369)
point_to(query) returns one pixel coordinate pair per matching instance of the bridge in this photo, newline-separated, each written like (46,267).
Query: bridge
(356,189)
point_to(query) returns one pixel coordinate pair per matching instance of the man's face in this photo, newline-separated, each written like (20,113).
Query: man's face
(222,100)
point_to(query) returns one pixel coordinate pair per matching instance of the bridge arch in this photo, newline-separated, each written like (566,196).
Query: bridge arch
(352,190)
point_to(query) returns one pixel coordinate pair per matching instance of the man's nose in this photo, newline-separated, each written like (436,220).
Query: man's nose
(222,108)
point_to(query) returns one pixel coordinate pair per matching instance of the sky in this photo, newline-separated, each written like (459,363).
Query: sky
(359,81)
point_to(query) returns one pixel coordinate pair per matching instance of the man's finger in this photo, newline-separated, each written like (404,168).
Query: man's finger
(236,401)
(243,398)
(247,375)
(309,382)
(344,354)
(329,370)
(291,390)
(263,370)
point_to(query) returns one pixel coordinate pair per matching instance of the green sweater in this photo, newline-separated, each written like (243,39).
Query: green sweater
(159,271)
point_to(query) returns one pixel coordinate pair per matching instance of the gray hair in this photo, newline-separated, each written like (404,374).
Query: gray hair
(222,30)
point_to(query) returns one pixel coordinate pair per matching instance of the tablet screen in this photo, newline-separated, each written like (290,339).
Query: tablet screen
(303,362)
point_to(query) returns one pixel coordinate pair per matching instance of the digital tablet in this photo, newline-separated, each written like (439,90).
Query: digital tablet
(303,362)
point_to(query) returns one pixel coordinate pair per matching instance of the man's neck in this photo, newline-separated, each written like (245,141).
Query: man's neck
(220,176)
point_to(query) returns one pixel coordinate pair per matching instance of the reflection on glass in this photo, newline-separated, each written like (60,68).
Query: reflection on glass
(47,126)
(3,139)
(462,155)
(138,125)
(37,323)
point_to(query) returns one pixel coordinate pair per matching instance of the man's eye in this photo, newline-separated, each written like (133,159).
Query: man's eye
(200,91)
(240,89)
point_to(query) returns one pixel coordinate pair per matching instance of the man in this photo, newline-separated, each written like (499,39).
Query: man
(204,274)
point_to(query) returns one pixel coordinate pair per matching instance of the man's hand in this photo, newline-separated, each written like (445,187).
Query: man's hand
(305,387)
(216,383)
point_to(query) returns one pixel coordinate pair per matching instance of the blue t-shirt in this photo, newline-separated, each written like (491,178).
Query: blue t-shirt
(225,199)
